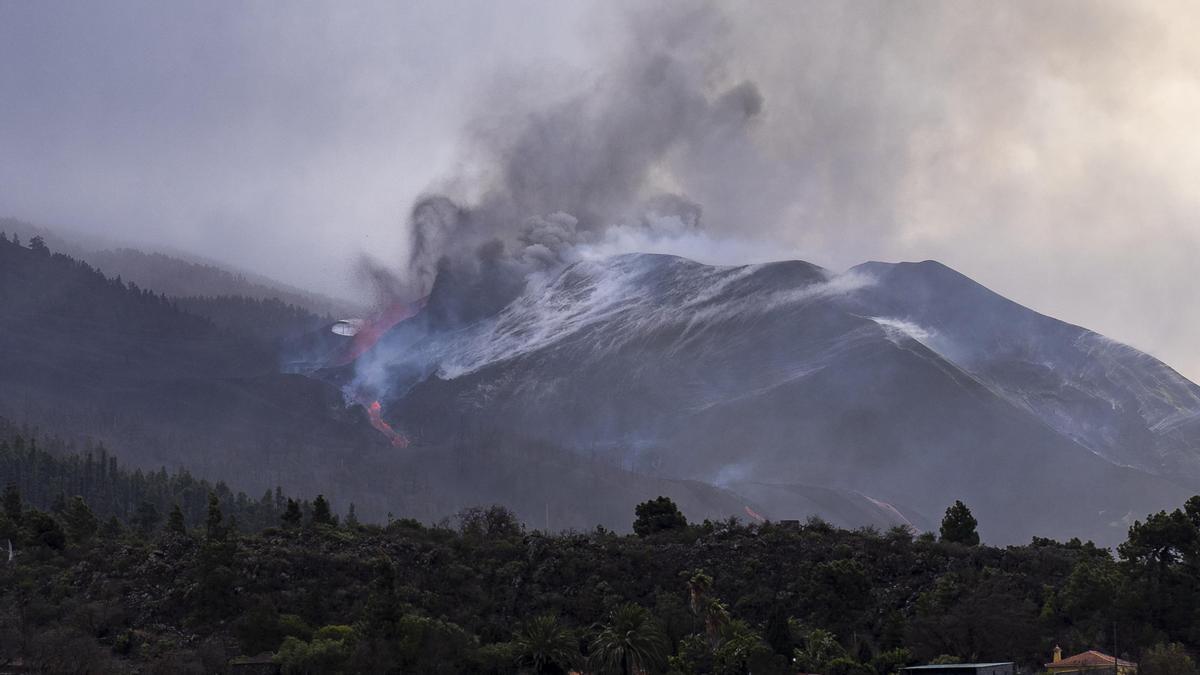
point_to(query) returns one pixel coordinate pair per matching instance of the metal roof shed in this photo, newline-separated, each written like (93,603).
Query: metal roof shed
(1006,668)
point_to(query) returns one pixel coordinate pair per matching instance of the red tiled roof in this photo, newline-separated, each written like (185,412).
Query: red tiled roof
(1088,659)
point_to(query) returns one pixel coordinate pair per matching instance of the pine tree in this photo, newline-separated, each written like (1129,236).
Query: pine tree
(959,525)
(215,571)
(44,530)
(146,518)
(214,530)
(80,523)
(112,528)
(175,524)
(351,518)
(321,514)
(292,516)
(12,504)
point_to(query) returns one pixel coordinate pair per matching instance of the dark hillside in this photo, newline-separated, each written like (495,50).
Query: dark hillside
(182,278)
(174,275)
(81,354)
(268,320)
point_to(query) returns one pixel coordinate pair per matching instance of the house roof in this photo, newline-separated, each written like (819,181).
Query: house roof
(1088,659)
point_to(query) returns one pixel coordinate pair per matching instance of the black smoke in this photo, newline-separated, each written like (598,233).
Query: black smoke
(557,175)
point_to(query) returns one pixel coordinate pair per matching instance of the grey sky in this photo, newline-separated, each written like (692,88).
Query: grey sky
(1049,150)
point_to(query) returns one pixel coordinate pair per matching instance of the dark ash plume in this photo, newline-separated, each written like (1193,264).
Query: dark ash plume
(565,172)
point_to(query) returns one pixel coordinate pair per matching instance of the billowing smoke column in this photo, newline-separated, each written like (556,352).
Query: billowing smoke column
(558,176)
(572,172)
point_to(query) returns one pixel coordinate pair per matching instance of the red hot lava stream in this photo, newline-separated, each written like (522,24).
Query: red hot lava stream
(750,512)
(375,412)
(373,328)
(363,340)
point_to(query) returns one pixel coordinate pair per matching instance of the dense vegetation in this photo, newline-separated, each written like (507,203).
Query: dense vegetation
(97,585)
(45,478)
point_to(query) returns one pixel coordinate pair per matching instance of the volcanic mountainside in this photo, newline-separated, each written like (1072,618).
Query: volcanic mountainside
(873,397)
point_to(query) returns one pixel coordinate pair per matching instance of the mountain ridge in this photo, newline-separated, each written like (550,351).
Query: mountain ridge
(617,356)
(174,274)
(100,361)
(780,390)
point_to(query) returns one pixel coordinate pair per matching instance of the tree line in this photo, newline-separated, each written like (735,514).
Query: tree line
(54,480)
(96,585)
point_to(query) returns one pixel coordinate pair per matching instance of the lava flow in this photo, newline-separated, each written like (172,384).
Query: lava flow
(750,512)
(375,412)
(365,336)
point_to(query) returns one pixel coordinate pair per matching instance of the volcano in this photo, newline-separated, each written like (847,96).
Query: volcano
(875,396)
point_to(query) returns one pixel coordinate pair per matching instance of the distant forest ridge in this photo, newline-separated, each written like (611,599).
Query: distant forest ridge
(175,275)
(49,471)
(176,382)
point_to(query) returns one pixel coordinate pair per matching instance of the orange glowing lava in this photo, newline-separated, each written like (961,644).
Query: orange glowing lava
(374,328)
(750,512)
(375,412)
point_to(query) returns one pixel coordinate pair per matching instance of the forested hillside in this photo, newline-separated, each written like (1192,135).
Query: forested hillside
(268,320)
(50,474)
(482,594)
(97,359)
(169,274)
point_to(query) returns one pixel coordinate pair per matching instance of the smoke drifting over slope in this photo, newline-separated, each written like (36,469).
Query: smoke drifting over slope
(802,131)
(669,148)
(561,175)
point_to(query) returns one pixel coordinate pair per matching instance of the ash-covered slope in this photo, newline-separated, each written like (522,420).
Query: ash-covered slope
(772,377)
(1113,399)
(88,358)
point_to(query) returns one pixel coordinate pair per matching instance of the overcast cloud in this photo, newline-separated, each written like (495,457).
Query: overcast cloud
(1049,150)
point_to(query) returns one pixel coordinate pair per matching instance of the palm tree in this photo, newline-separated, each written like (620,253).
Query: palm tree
(716,616)
(698,587)
(546,646)
(712,611)
(631,644)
